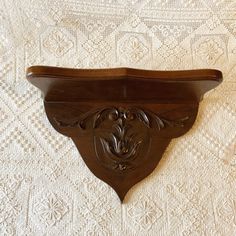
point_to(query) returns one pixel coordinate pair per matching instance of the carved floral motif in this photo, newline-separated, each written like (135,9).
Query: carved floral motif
(122,144)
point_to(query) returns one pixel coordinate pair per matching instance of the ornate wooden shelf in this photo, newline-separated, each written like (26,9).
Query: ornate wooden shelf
(121,120)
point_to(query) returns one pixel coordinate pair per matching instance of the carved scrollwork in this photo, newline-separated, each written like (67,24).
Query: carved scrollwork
(122,144)
(114,114)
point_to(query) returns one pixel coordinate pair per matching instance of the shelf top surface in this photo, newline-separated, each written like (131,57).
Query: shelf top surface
(123,72)
(66,84)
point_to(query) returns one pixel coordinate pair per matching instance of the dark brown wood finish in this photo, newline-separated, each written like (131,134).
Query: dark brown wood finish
(121,120)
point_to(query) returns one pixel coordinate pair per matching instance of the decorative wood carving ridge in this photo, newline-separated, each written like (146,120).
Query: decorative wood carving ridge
(121,144)
(122,136)
(121,115)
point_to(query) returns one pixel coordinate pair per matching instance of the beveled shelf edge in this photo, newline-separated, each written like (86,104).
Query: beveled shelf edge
(121,72)
(120,135)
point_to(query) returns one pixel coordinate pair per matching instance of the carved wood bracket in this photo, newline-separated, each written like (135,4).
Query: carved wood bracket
(122,120)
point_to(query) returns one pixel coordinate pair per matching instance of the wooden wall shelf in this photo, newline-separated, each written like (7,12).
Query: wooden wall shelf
(121,120)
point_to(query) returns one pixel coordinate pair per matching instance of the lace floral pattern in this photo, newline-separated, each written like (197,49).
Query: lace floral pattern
(46,189)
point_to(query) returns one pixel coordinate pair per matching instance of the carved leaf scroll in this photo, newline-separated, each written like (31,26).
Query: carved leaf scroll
(113,113)
(122,143)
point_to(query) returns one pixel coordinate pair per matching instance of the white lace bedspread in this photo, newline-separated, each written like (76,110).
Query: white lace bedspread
(45,187)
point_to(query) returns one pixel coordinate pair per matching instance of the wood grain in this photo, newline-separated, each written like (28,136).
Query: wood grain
(122,119)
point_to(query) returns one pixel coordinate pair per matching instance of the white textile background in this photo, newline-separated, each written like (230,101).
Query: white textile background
(45,187)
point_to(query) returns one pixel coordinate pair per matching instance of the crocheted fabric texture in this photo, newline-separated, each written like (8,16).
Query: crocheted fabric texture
(45,187)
